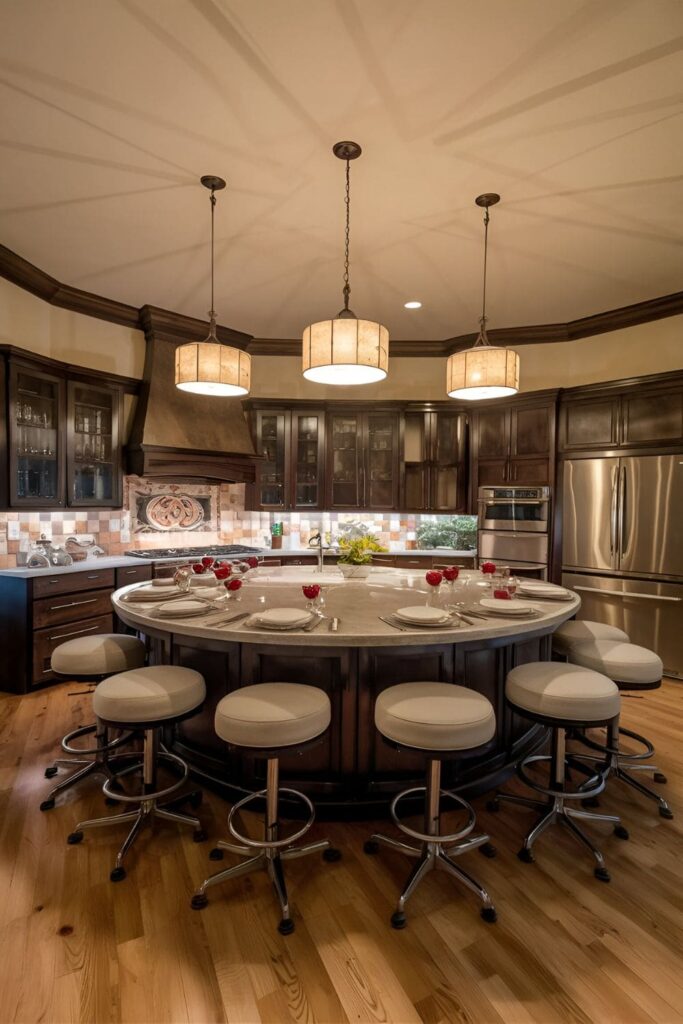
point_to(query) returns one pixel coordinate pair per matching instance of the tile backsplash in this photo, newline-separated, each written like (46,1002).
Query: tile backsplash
(112,529)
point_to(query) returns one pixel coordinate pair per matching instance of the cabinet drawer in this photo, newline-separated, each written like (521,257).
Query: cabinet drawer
(52,611)
(71,582)
(132,574)
(45,641)
(301,560)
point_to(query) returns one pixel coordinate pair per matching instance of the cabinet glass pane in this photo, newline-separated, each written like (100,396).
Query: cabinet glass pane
(445,487)
(381,454)
(35,437)
(306,464)
(94,469)
(345,469)
(272,469)
(448,438)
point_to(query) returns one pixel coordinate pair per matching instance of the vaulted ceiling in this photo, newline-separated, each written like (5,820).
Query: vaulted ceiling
(110,110)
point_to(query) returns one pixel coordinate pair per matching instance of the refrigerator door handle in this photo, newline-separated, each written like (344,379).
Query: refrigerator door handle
(622,510)
(613,517)
(622,593)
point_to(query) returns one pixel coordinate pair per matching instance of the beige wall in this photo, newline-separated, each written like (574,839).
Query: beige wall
(31,323)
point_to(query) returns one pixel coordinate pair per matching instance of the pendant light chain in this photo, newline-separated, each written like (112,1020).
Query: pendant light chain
(212,311)
(483,336)
(347,200)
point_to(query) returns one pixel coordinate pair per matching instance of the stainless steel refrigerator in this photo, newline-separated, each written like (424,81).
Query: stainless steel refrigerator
(622,547)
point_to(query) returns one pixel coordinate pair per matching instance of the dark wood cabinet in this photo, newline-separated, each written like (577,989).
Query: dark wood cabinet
(290,443)
(434,463)
(513,442)
(363,468)
(645,413)
(60,442)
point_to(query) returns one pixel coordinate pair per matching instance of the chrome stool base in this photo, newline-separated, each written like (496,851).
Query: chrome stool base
(271,851)
(435,851)
(149,803)
(99,764)
(620,766)
(555,810)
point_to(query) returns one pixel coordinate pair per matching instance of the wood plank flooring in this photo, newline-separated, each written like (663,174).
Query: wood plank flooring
(75,947)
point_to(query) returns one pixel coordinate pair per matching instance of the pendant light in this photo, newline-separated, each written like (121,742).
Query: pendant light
(208,367)
(346,350)
(483,371)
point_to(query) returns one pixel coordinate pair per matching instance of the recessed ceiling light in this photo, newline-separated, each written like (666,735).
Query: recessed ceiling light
(413,305)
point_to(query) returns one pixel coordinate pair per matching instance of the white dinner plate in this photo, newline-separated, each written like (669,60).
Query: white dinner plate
(546,591)
(148,593)
(183,608)
(283,618)
(163,581)
(502,607)
(422,615)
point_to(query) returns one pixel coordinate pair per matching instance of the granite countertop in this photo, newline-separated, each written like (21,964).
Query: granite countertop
(357,604)
(405,552)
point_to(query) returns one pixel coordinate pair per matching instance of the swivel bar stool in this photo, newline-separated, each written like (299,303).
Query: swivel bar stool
(444,722)
(91,659)
(266,719)
(578,631)
(562,697)
(633,669)
(146,700)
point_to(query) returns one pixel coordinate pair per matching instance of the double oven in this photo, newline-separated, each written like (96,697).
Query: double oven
(513,528)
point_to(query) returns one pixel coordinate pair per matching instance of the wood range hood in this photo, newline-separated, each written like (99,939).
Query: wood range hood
(178,436)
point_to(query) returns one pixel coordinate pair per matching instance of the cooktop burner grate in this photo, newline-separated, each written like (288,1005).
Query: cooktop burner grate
(214,549)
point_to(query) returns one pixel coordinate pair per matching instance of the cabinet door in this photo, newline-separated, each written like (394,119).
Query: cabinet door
(344,460)
(448,476)
(272,474)
(589,424)
(652,418)
(492,433)
(415,461)
(531,430)
(381,469)
(308,438)
(529,471)
(491,472)
(93,446)
(36,438)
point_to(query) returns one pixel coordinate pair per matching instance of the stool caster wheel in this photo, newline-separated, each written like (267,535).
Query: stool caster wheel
(602,874)
(51,771)
(488,850)
(658,776)
(665,812)
(526,855)
(216,854)
(620,832)
(117,875)
(199,836)
(47,805)
(398,920)
(286,926)
(331,854)
(196,798)
(198,901)
(74,838)
(493,805)
(370,846)
(591,801)
(489,914)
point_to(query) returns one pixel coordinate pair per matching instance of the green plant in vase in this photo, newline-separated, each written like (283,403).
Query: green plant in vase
(355,559)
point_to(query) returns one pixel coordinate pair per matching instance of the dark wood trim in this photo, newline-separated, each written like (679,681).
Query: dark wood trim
(175,464)
(129,385)
(175,327)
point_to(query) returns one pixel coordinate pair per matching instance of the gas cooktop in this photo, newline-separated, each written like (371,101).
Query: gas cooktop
(215,549)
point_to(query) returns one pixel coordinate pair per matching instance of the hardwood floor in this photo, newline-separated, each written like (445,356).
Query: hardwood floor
(75,947)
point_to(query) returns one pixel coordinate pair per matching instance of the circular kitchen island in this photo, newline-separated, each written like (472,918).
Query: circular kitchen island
(351,771)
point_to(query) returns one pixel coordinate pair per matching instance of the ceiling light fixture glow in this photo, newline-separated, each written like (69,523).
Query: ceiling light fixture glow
(414,304)
(208,367)
(483,371)
(346,350)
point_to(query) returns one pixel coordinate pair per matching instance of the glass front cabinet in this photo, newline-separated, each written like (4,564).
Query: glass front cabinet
(363,460)
(435,461)
(290,446)
(63,445)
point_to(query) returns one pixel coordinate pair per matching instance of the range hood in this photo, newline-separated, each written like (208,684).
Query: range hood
(182,437)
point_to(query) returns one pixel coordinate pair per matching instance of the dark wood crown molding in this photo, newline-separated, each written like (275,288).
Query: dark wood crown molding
(175,328)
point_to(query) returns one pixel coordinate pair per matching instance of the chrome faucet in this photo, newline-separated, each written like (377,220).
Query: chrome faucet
(316,540)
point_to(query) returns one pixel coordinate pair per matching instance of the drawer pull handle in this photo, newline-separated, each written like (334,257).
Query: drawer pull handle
(75,632)
(129,572)
(625,593)
(93,576)
(72,604)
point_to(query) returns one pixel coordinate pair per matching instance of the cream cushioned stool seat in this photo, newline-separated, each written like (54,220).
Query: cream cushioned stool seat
(270,715)
(578,631)
(555,690)
(435,716)
(622,662)
(149,694)
(100,655)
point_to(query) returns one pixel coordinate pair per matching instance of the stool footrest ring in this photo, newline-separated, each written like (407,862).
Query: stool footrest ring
(139,797)
(85,731)
(582,794)
(273,844)
(423,836)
